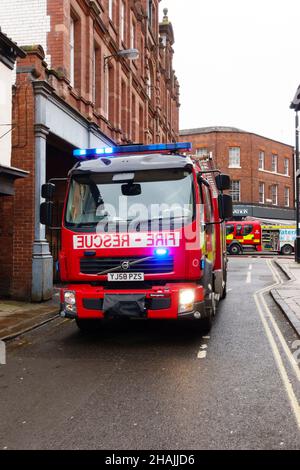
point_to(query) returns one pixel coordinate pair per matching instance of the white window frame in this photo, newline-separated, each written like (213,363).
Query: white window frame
(286,167)
(132,35)
(110,9)
(149,86)
(261,160)
(235,192)
(72,52)
(286,197)
(94,75)
(234,155)
(106,91)
(274,194)
(202,152)
(261,186)
(150,12)
(122,21)
(274,163)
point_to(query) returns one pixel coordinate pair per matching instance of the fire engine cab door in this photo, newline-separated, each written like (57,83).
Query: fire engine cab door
(239,233)
(210,235)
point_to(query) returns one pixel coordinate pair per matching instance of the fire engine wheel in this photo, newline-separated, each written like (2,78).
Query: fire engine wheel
(211,308)
(287,250)
(88,326)
(224,292)
(235,249)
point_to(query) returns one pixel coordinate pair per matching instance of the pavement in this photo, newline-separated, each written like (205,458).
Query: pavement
(19,317)
(287,295)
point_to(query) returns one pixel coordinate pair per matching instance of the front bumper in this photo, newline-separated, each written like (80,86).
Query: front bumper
(159,302)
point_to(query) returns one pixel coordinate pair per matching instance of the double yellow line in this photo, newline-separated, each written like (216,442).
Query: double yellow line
(265,313)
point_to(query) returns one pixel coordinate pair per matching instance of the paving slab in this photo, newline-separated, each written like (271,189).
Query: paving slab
(18,317)
(287,295)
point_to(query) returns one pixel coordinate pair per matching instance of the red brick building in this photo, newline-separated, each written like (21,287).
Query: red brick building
(261,169)
(75,89)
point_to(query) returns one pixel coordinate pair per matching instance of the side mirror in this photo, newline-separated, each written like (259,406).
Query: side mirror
(225,206)
(223,182)
(48,190)
(46,213)
(201,180)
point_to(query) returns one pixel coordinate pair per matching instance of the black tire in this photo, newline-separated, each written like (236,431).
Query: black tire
(88,326)
(287,250)
(235,249)
(210,310)
(224,293)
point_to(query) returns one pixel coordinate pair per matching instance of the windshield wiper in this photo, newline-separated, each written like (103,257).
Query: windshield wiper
(86,224)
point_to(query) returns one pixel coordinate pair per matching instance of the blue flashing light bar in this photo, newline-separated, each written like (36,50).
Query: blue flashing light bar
(161,252)
(88,154)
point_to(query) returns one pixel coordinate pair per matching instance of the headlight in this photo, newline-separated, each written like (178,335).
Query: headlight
(186,300)
(70,298)
(70,302)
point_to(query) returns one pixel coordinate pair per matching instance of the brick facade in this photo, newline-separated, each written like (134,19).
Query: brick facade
(9,168)
(220,140)
(54,112)
(143,95)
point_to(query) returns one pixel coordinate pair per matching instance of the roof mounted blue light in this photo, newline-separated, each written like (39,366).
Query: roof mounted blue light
(89,154)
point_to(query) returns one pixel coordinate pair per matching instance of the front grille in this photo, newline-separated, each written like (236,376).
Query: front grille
(150,266)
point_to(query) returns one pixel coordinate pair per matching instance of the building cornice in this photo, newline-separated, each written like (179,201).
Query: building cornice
(48,92)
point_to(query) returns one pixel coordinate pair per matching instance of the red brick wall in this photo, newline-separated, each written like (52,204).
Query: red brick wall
(250,145)
(161,112)
(17,231)
(6,244)
(23,157)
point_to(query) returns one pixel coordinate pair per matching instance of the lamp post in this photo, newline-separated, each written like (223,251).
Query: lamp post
(132,54)
(296,106)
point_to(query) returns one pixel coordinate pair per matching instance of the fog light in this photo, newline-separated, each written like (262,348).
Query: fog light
(197,315)
(70,308)
(186,300)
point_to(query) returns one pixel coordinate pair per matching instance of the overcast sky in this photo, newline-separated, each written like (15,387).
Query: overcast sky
(238,63)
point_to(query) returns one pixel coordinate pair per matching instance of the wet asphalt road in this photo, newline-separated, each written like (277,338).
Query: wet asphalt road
(140,385)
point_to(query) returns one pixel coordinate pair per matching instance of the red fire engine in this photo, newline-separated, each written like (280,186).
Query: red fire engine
(143,235)
(243,235)
(255,235)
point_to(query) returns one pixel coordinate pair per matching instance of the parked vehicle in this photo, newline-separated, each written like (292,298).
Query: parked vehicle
(243,236)
(169,263)
(280,238)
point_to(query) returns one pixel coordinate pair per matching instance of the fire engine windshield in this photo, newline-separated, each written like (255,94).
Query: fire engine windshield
(130,201)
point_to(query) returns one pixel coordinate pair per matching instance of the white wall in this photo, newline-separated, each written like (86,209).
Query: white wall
(26,22)
(5,113)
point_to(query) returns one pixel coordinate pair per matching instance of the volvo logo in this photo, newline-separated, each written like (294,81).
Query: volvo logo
(125,265)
